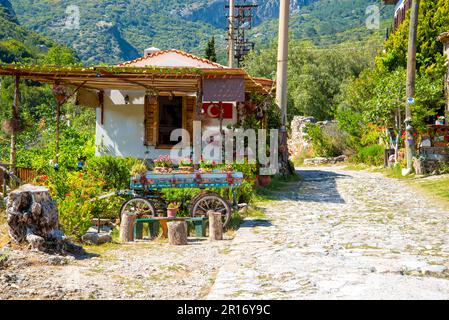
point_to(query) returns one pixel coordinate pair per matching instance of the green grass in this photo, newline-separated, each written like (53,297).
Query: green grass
(437,188)
(278,184)
(250,212)
(396,173)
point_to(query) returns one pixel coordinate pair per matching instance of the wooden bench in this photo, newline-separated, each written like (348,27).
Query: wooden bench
(155,223)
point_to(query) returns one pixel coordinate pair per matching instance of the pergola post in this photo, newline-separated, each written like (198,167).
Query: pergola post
(58,129)
(14,124)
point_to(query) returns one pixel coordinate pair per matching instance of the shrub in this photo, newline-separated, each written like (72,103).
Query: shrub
(77,208)
(116,172)
(247,192)
(324,144)
(75,216)
(371,155)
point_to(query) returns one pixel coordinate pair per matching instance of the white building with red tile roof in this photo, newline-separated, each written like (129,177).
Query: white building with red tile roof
(139,123)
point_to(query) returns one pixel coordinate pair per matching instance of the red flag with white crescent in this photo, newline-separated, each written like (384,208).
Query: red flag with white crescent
(212,110)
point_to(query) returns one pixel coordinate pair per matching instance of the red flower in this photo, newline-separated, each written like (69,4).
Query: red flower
(68,195)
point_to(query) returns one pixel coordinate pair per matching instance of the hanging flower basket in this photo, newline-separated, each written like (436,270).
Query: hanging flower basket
(59,93)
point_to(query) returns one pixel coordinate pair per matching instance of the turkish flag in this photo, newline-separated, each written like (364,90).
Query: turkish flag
(212,110)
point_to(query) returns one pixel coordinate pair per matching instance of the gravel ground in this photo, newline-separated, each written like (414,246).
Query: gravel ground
(135,271)
(335,235)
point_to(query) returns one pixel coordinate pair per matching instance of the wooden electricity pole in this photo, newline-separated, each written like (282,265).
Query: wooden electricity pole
(411,76)
(15,124)
(231,54)
(281,83)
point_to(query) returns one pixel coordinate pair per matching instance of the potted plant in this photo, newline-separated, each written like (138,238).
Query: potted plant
(172,210)
(263,180)
(163,164)
(208,166)
(440,121)
(186,165)
(229,168)
(138,169)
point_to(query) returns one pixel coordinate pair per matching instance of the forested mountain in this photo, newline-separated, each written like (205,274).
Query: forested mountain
(16,42)
(106,31)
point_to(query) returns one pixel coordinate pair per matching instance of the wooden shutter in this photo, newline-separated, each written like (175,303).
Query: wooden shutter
(151,120)
(189,116)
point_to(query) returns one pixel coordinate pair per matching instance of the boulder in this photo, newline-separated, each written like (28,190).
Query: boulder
(321,160)
(96,238)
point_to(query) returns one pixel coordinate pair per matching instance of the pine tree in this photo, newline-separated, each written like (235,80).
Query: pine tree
(211,54)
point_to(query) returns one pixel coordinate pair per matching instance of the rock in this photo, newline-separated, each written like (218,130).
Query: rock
(321,160)
(36,242)
(56,260)
(103,229)
(434,269)
(96,238)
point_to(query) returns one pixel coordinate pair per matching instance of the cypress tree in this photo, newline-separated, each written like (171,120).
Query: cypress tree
(211,54)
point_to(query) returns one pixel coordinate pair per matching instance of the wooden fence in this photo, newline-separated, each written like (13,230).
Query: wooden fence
(23,175)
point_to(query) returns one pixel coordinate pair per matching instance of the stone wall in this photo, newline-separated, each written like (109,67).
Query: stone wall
(300,143)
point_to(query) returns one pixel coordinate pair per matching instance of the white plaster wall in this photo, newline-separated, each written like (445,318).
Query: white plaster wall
(122,134)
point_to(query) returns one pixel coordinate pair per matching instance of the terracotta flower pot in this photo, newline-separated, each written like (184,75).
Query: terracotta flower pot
(171,213)
(264,181)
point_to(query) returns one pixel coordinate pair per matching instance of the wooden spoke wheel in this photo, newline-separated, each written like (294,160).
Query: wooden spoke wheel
(143,208)
(209,201)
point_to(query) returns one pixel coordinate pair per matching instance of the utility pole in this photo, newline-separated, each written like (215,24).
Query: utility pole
(281,82)
(231,34)
(411,76)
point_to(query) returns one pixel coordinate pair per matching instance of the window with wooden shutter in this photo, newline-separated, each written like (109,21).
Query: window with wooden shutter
(151,116)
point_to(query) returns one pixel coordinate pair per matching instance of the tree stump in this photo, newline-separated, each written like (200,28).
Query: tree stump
(127,227)
(177,233)
(31,215)
(215,226)
(32,218)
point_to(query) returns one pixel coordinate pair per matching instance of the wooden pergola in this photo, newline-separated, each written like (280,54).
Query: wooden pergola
(153,79)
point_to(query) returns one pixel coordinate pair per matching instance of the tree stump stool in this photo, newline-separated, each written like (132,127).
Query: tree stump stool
(177,233)
(215,226)
(127,227)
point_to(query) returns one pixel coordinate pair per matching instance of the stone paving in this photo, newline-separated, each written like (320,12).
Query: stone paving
(341,235)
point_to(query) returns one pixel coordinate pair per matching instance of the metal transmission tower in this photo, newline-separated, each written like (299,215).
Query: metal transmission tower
(241,22)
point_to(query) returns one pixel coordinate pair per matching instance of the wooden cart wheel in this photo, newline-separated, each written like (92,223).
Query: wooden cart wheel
(211,201)
(140,206)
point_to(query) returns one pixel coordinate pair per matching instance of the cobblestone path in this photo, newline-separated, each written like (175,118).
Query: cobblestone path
(341,235)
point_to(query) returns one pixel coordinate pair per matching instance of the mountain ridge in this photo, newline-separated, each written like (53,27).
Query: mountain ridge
(113,31)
